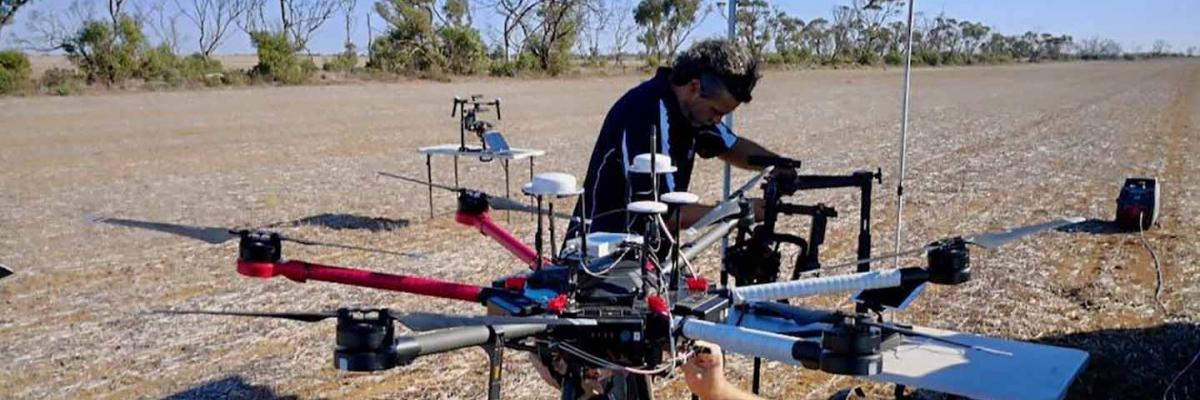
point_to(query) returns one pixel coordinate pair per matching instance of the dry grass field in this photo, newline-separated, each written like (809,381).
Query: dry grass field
(989,147)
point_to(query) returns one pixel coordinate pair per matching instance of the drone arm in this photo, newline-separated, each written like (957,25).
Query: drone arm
(489,228)
(301,271)
(408,348)
(830,284)
(755,343)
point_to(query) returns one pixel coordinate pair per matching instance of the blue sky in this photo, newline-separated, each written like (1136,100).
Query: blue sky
(1131,23)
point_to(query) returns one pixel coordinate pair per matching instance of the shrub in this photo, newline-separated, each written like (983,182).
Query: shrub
(462,49)
(277,60)
(14,71)
(867,57)
(503,68)
(345,62)
(893,58)
(61,82)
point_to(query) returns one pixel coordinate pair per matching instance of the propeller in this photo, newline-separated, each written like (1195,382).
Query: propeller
(218,235)
(495,202)
(990,240)
(427,321)
(294,316)
(5,271)
(418,322)
(803,316)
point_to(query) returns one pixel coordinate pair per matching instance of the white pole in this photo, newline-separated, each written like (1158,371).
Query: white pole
(727,174)
(904,133)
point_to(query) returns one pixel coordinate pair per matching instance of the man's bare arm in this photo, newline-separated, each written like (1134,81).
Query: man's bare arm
(739,156)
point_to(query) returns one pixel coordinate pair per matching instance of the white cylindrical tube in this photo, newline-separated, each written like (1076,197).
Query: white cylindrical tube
(748,342)
(818,286)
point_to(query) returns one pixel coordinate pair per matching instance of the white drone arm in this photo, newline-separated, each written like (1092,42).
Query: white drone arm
(825,285)
(751,342)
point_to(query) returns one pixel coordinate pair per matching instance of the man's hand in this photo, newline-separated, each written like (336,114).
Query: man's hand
(704,374)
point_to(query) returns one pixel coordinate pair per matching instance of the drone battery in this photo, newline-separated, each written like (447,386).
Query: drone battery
(1137,205)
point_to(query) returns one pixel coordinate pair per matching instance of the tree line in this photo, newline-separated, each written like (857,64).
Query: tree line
(435,38)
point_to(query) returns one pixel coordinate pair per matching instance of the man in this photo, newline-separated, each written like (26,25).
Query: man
(683,107)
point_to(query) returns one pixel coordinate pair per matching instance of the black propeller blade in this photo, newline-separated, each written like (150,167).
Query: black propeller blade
(210,235)
(993,240)
(909,332)
(990,240)
(419,322)
(427,321)
(218,235)
(5,271)
(294,316)
(495,202)
(803,316)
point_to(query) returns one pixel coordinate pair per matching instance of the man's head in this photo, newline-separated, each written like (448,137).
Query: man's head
(712,78)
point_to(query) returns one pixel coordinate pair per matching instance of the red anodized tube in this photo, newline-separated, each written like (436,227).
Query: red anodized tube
(490,229)
(301,271)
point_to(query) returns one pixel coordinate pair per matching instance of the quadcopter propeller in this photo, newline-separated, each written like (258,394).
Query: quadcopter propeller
(218,235)
(427,321)
(294,316)
(990,240)
(496,202)
(418,322)
(5,271)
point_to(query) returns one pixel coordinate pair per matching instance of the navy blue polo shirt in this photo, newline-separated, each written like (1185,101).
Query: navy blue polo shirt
(626,133)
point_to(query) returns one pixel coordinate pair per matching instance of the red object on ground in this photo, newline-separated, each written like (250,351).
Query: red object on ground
(697,284)
(490,229)
(301,271)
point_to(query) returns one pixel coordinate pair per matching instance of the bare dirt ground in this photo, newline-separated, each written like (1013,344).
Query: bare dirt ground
(989,147)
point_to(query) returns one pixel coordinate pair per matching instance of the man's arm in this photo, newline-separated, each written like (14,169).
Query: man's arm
(739,156)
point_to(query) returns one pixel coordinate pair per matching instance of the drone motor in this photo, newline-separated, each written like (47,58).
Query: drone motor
(852,348)
(365,341)
(949,262)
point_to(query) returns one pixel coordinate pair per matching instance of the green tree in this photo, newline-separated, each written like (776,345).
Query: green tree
(756,24)
(666,24)
(105,54)
(559,25)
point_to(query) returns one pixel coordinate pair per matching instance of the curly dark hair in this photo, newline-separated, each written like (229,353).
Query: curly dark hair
(719,64)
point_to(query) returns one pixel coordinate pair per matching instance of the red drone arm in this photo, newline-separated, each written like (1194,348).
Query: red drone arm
(301,271)
(489,228)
